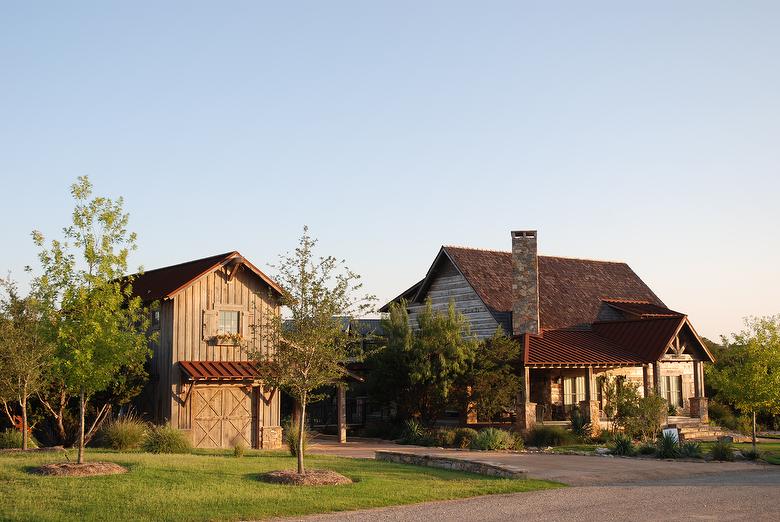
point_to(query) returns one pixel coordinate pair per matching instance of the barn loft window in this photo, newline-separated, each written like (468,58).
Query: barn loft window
(228,322)
(155,319)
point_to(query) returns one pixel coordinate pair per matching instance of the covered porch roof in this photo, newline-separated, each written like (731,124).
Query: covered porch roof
(630,342)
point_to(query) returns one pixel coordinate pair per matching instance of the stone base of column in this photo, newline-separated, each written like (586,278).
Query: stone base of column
(590,409)
(270,437)
(526,416)
(699,408)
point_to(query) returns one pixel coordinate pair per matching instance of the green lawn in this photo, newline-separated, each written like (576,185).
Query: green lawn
(217,486)
(770,451)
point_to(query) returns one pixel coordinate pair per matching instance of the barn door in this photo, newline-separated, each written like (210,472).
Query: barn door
(222,416)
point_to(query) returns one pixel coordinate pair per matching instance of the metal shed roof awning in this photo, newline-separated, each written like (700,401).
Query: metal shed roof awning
(219,370)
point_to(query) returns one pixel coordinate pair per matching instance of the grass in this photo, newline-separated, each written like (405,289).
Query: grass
(213,485)
(770,451)
(590,448)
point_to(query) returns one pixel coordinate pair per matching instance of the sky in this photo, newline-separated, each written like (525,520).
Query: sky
(642,132)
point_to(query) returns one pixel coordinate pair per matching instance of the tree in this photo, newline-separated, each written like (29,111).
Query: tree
(99,327)
(25,358)
(748,372)
(435,358)
(495,382)
(311,343)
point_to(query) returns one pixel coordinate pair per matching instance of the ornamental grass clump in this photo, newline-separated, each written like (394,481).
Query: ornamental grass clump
(668,446)
(722,450)
(543,436)
(622,445)
(12,439)
(123,433)
(166,439)
(493,439)
(691,449)
(291,438)
(415,433)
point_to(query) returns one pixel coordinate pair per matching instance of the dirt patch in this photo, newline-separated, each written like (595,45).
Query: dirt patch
(312,477)
(87,469)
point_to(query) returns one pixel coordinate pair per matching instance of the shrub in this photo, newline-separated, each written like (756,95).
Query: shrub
(722,450)
(445,437)
(166,439)
(603,437)
(646,449)
(622,445)
(290,432)
(238,450)
(672,410)
(542,436)
(12,438)
(668,446)
(493,439)
(517,441)
(123,433)
(580,425)
(415,433)
(751,455)
(463,437)
(691,449)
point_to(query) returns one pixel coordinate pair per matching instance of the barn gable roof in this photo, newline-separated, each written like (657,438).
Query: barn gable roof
(163,283)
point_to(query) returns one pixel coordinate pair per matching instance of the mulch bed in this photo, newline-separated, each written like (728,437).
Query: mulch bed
(312,477)
(88,469)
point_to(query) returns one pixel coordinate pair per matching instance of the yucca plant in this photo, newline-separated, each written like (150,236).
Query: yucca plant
(722,450)
(668,447)
(622,445)
(691,449)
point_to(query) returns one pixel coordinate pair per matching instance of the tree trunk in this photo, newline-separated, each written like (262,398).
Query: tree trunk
(754,432)
(82,407)
(25,436)
(301,427)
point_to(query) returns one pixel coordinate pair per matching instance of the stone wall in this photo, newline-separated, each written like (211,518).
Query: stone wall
(270,437)
(434,461)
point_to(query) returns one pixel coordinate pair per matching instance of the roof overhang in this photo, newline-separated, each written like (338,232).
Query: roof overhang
(211,371)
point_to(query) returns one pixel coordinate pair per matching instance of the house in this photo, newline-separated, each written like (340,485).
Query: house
(209,315)
(576,319)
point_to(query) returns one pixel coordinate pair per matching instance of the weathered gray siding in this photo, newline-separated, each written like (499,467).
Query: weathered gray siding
(450,285)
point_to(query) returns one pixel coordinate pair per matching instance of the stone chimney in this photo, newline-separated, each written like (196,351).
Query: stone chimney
(525,283)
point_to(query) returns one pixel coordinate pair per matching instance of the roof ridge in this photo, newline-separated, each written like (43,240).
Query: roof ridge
(640,319)
(629,301)
(540,255)
(177,265)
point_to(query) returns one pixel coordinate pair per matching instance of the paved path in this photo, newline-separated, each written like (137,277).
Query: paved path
(574,470)
(608,488)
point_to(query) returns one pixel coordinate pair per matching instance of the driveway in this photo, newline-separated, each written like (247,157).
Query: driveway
(574,470)
(607,489)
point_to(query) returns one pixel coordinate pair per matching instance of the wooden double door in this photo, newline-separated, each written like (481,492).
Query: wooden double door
(223,416)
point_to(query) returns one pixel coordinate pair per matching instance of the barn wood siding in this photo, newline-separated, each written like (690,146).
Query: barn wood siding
(181,336)
(450,285)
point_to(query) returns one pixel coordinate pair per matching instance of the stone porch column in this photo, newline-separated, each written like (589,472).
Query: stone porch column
(341,407)
(526,410)
(699,405)
(647,382)
(590,406)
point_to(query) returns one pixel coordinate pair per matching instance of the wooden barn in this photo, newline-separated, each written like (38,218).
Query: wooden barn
(209,314)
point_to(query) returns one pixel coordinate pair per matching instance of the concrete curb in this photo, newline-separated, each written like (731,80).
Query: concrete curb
(491,469)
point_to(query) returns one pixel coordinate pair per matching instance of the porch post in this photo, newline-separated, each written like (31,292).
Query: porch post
(341,400)
(646,381)
(590,408)
(657,376)
(699,406)
(526,410)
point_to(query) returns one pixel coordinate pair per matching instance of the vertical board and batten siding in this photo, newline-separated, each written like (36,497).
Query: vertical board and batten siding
(448,284)
(187,342)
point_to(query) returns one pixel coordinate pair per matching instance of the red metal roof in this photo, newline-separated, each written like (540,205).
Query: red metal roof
(570,290)
(647,337)
(219,370)
(163,282)
(576,347)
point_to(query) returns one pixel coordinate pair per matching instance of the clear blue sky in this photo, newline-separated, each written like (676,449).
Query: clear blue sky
(640,133)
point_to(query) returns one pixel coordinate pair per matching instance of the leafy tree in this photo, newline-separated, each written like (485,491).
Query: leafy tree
(435,357)
(25,358)
(99,327)
(311,343)
(495,382)
(748,372)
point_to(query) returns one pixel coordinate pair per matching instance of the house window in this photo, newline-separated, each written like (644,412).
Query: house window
(671,389)
(228,322)
(155,319)
(573,390)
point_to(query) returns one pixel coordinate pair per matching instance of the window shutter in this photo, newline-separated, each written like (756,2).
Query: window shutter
(244,323)
(567,390)
(210,323)
(580,388)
